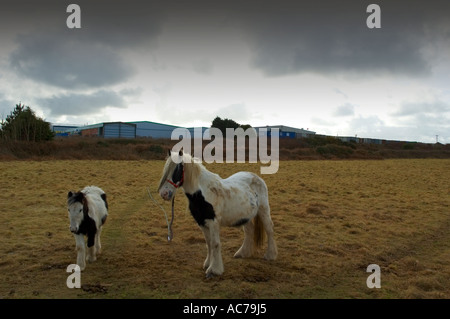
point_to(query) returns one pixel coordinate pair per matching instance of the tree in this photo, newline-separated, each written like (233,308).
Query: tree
(223,124)
(23,125)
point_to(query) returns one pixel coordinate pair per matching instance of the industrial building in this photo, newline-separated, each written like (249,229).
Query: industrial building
(62,130)
(286,131)
(152,129)
(157,130)
(106,130)
(123,130)
(354,139)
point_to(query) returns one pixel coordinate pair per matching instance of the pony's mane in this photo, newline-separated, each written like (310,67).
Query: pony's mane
(168,167)
(76,197)
(192,168)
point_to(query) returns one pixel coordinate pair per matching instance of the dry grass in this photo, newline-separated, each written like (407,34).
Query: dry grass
(314,148)
(332,219)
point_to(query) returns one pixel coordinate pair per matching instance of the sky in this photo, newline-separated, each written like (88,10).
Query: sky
(307,64)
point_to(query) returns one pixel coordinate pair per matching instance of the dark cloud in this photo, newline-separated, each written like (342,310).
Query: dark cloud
(81,104)
(327,37)
(285,37)
(122,24)
(332,37)
(68,63)
(116,23)
(91,57)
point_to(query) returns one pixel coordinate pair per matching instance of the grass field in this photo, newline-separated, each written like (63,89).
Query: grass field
(332,219)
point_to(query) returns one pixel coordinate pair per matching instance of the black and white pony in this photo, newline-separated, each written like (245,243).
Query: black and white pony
(88,210)
(214,202)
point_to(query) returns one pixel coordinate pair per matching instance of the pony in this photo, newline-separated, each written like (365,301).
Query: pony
(239,200)
(88,210)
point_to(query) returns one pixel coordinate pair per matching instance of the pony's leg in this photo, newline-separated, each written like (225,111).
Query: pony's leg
(91,247)
(81,251)
(207,262)
(91,254)
(98,244)
(272,251)
(216,263)
(246,249)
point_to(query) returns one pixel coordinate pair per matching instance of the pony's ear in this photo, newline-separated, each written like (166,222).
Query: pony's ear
(69,194)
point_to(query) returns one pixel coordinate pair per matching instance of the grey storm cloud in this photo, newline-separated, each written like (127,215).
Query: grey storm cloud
(82,104)
(68,63)
(285,37)
(90,57)
(122,24)
(85,67)
(111,22)
(332,37)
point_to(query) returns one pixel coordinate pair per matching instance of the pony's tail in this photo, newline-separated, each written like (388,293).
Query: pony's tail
(258,234)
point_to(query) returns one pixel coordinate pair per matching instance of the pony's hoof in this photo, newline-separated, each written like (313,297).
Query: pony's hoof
(211,274)
(240,254)
(270,257)
(91,259)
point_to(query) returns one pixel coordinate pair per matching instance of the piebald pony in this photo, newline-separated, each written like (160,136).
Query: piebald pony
(88,210)
(214,202)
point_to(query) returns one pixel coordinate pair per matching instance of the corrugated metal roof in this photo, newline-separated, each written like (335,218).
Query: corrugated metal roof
(136,122)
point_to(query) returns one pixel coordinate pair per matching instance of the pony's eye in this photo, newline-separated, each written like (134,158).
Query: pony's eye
(80,210)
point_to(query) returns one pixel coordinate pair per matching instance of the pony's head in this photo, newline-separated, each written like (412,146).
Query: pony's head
(172,175)
(77,207)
